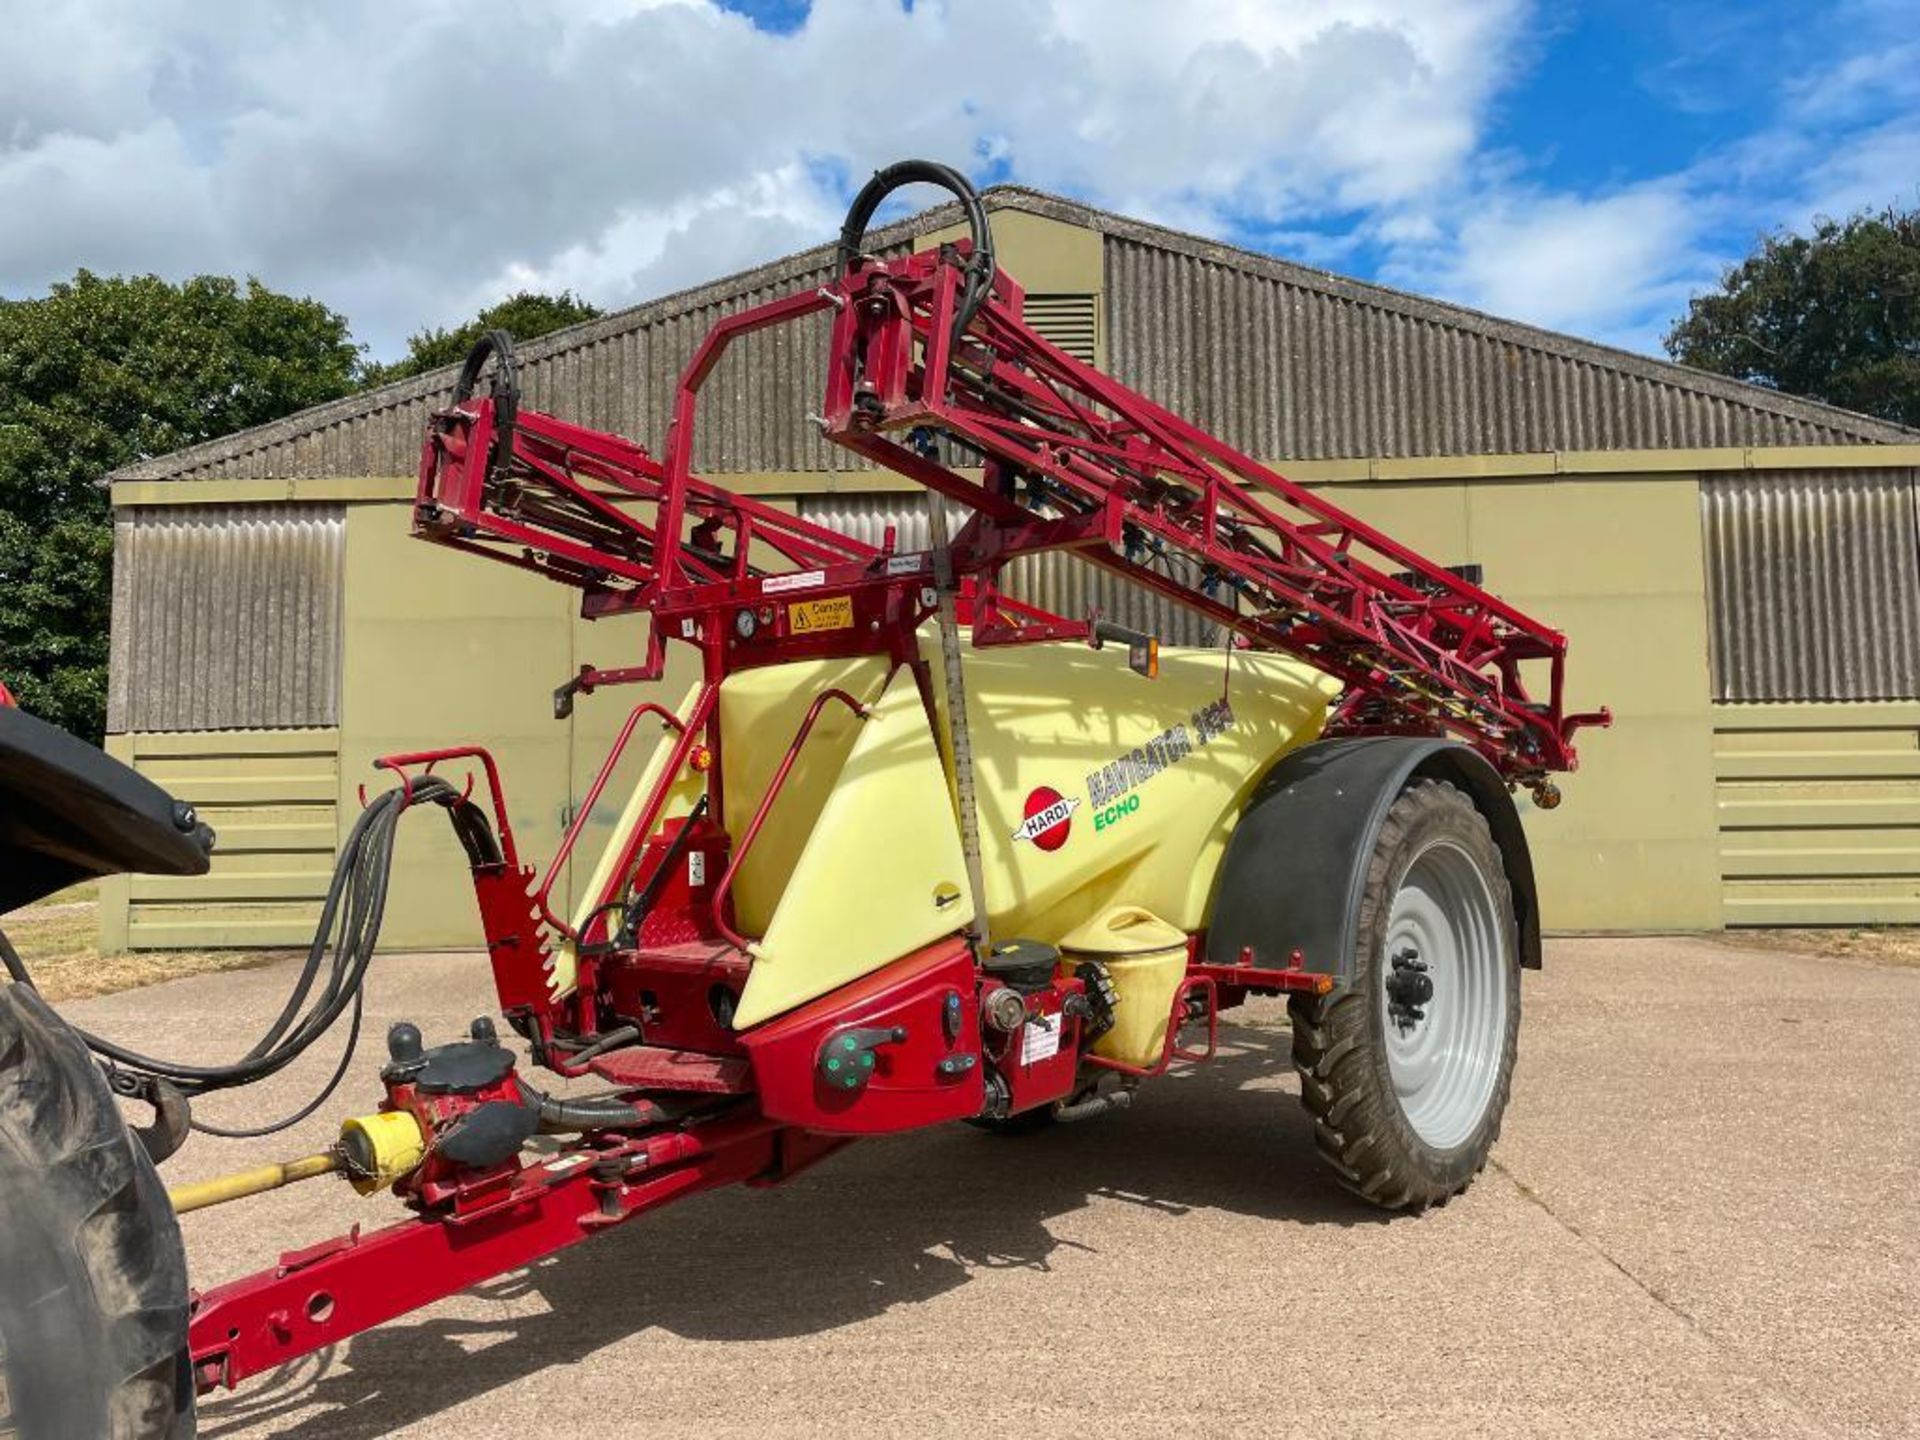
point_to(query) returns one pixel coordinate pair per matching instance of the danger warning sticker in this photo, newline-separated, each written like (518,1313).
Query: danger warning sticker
(804,617)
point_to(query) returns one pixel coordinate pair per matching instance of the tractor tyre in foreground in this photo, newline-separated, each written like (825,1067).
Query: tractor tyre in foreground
(93,1279)
(1406,1069)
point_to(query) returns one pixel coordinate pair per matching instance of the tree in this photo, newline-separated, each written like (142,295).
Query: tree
(96,374)
(1834,316)
(523,316)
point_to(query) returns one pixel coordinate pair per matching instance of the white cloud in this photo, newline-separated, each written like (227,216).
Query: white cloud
(647,252)
(1618,264)
(407,162)
(1859,83)
(1868,170)
(1596,265)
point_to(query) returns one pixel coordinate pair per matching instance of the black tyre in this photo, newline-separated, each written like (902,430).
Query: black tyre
(93,1279)
(1406,1070)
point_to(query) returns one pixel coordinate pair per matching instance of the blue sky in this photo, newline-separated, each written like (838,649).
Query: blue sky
(1583,166)
(1601,99)
(1761,115)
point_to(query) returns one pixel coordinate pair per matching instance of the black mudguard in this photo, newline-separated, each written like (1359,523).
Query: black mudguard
(69,812)
(1297,861)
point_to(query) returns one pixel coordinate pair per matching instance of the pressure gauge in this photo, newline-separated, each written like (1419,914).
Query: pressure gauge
(744,624)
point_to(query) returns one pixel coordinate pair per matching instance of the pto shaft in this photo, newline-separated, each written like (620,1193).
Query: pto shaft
(251,1182)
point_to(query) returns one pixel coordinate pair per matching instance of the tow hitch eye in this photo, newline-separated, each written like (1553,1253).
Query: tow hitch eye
(1408,988)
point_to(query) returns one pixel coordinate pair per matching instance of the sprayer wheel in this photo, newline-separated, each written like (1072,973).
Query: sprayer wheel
(1406,1069)
(93,1279)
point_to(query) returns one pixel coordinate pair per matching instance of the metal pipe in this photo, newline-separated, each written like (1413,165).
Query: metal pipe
(258,1181)
(946,587)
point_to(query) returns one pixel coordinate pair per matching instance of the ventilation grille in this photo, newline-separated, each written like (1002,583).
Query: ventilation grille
(1069,321)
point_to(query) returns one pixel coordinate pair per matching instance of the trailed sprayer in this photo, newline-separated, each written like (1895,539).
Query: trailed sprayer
(909,851)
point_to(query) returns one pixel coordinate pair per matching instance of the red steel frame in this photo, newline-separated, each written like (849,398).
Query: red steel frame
(1069,458)
(1045,453)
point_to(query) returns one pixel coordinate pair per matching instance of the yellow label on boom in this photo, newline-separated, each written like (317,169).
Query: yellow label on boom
(806,616)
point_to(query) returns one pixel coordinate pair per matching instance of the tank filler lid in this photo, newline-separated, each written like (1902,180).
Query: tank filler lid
(1124,930)
(1026,965)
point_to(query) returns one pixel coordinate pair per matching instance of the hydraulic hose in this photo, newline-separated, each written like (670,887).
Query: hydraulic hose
(332,979)
(980,268)
(567,1117)
(506,391)
(506,380)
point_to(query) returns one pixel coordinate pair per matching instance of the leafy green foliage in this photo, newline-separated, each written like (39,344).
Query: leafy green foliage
(104,371)
(99,373)
(1834,316)
(523,315)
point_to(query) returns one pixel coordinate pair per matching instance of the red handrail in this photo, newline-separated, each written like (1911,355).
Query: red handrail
(585,812)
(398,765)
(1170,1051)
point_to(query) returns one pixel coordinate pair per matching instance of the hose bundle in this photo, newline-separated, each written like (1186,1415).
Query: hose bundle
(334,976)
(980,267)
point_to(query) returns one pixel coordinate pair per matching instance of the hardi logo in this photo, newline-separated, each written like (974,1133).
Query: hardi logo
(1049,818)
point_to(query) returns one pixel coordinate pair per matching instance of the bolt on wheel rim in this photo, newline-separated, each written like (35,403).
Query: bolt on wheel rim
(1444,1053)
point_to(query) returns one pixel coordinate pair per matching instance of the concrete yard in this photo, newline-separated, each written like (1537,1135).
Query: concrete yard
(1703,1219)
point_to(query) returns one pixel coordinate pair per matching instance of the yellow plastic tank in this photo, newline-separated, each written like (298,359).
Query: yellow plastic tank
(1146,959)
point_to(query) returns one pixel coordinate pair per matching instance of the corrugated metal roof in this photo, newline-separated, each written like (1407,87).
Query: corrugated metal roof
(226,617)
(1813,584)
(1290,365)
(1288,361)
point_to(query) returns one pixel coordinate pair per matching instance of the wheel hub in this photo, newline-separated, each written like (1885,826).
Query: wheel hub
(1409,987)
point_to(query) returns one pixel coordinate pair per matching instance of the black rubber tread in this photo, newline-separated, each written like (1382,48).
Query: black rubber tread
(93,1277)
(1339,1045)
(1027,1122)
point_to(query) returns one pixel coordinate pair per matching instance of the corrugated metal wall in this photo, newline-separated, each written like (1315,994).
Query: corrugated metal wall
(1813,584)
(226,617)
(1058,581)
(1299,370)
(754,407)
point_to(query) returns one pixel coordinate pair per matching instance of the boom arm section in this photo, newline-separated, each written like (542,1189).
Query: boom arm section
(1071,458)
(934,373)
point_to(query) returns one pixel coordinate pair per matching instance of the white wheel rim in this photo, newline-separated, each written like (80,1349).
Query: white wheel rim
(1444,1052)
